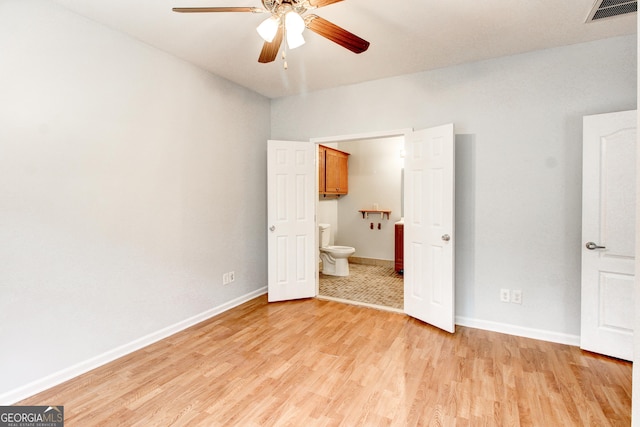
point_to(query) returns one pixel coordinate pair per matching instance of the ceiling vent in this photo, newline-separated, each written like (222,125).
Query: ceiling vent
(610,8)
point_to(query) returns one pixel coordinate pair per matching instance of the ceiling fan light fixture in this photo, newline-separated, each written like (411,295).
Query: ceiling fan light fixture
(294,23)
(294,26)
(294,40)
(268,29)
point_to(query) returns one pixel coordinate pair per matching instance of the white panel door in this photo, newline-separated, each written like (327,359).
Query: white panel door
(608,233)
(291,185)
(429,227)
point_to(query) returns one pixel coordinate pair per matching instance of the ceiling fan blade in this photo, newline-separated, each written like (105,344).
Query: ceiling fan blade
(322,3)
(216,9)
(336,34)
(270,49)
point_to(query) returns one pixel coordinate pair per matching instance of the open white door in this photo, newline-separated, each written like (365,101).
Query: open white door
(429,227)
(608,233)
(291,185)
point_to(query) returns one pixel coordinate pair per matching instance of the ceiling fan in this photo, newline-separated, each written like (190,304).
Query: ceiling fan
(288,20)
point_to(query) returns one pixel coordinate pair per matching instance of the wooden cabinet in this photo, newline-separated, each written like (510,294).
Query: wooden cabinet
(333,171)
(399,264)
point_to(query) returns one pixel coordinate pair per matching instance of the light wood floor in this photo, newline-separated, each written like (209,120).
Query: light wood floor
(314,362)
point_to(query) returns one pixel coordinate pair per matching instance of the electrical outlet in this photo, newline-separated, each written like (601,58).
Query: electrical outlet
(516,296)
(232,276)
(504,295)
(225,279)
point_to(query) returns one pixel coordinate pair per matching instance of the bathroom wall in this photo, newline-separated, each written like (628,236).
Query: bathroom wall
(375,169)
(327,213)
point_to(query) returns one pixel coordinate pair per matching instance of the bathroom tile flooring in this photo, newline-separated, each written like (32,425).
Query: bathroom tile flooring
(370,284)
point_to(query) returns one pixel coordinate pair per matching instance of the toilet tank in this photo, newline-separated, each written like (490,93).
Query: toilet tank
(324,234)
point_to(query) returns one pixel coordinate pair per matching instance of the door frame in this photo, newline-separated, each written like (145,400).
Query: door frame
(394,133)
(426,139)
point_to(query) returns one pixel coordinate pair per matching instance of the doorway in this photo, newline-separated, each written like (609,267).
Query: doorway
(375,183)
(429,238)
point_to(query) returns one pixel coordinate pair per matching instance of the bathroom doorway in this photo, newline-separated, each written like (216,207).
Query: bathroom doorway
(375,183)
(429,239)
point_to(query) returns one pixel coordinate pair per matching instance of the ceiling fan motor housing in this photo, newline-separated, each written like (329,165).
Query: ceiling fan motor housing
(281,7)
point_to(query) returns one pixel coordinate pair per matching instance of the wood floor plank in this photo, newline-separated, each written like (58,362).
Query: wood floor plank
(322,363)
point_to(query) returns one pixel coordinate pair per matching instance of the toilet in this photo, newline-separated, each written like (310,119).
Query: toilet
(334,258)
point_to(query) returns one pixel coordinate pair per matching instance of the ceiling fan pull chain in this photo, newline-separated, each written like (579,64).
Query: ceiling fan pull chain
(284,51)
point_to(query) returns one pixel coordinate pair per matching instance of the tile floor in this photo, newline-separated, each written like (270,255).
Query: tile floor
(370,284)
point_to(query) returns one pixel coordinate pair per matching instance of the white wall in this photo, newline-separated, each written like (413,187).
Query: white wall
(327,213)
(374,177)
(129,182)
(518,165)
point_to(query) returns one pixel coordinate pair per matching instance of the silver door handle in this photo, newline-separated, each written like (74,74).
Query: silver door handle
(446,237)
(591,246)
(272,228)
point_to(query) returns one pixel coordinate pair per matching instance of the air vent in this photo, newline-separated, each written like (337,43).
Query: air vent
(610,8)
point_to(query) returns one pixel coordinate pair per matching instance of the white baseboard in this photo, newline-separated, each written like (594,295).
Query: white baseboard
(34,387)
(519,331)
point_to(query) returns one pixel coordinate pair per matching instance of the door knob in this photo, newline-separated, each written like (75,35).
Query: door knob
(272,228)
(446,237)
(591,246)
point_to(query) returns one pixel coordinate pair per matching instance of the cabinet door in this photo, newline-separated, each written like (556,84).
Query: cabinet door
(336,176)
(321,169)
(399,249)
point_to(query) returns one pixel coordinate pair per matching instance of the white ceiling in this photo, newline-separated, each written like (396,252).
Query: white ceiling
(406,36)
